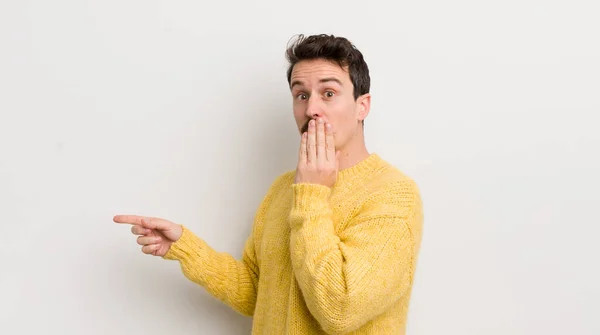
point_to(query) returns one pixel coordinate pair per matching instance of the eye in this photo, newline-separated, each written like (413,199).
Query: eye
(301,96)
(329,94)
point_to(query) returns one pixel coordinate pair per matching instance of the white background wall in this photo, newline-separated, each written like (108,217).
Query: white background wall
(179,109)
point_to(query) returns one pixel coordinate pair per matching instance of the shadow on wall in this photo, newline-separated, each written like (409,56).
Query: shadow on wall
(195,305)
(280,141)
(274,148)
(268,139)
(264,145)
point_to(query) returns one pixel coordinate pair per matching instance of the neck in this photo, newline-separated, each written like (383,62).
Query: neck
(353,153)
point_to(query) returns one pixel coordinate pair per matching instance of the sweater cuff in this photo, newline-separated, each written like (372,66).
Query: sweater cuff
(184,246)
(310,197)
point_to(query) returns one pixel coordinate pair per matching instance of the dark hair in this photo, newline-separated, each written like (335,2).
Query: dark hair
(337,49)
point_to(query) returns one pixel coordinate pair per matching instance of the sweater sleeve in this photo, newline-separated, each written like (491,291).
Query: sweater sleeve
(232,281)
(349,277)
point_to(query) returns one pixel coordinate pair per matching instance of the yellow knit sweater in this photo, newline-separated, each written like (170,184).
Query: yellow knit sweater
(320,260)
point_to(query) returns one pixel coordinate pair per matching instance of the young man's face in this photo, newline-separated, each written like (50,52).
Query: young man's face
(322,89)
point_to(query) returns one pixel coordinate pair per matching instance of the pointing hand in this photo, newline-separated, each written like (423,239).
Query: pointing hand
(156,235)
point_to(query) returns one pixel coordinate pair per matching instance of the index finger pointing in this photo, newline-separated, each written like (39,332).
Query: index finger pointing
(130,219)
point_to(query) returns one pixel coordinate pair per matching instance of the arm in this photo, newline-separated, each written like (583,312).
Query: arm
(350,277)
(232,281)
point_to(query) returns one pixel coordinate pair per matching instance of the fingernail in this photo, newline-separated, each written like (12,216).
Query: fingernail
(320,120)
(312,123)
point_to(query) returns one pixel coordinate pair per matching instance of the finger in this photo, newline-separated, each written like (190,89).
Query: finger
(130,219)
(139,230)
(147,240)
(329,143)
(321,154)
(150,249)
(312,143)
(302,151)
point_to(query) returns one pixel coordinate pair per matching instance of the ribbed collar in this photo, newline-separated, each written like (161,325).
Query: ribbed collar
(362,168)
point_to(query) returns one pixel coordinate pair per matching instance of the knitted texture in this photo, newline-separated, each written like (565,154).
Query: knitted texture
(320,260)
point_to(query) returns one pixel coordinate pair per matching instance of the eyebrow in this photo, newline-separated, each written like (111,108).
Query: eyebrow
(324,80)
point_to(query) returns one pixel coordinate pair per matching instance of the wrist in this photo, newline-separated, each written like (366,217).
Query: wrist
(307,196)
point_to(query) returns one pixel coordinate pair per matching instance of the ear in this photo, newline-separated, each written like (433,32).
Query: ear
(364,106)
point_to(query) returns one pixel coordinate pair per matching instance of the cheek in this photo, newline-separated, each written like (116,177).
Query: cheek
(341,120)
(298,115)
(342,126)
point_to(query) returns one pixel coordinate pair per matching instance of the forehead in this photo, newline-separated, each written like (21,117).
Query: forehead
(311,71)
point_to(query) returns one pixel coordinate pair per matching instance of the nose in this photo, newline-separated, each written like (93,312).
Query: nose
(313,109)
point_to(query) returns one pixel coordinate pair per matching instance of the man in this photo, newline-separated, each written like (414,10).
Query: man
(334,243)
